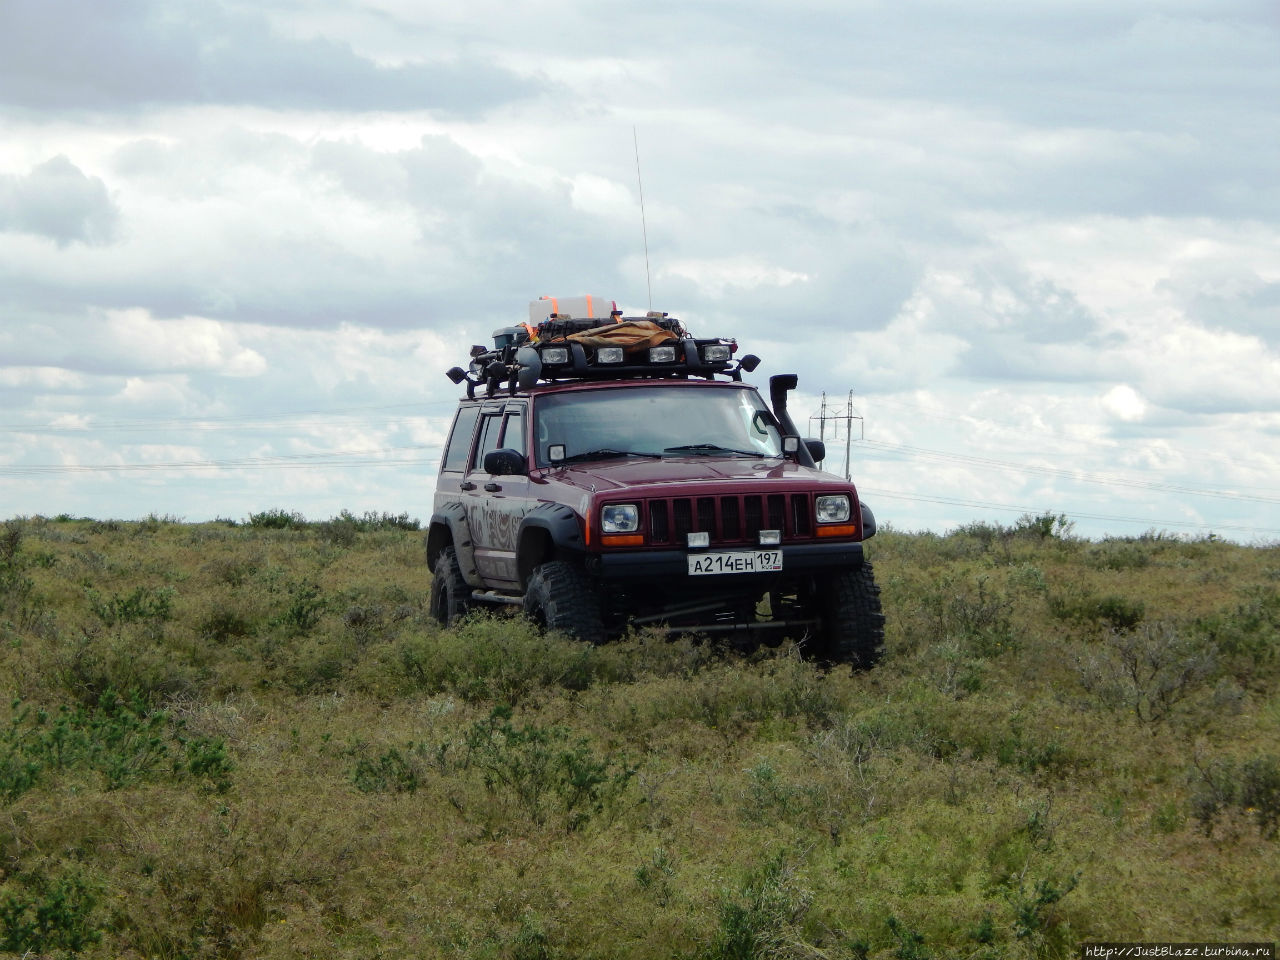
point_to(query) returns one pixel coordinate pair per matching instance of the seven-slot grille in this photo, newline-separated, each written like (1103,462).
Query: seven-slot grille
(730,518)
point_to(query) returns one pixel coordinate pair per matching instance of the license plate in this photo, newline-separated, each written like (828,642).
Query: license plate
(735,561)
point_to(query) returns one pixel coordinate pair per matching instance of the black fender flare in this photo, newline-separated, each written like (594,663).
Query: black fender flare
(549,531)
(868,521)
(449,527)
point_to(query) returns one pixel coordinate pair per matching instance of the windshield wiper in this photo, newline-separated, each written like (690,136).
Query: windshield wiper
(713,449)
(605,453)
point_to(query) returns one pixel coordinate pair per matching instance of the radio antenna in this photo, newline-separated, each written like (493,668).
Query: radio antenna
(643,226)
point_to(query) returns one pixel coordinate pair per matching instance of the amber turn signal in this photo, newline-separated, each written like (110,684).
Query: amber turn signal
(838,530)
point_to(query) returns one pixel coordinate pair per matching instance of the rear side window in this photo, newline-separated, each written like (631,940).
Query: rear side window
(459,445)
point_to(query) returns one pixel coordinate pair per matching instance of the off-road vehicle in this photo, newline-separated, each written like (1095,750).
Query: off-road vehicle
(605,470)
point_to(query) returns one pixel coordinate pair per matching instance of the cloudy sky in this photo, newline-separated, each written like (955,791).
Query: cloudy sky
(1039,242)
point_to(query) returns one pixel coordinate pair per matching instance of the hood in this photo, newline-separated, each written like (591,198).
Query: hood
(656,477)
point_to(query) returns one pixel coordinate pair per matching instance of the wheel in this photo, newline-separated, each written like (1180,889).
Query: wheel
(561,597)
(852,629)
(450,595)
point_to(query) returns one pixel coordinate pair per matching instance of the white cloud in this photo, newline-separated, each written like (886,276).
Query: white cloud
(59,201)
(187,343)
(1124,403)
(1042,231)
(40,378)
(737,276)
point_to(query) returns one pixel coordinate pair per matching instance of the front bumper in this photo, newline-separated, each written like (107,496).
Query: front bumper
(672,565)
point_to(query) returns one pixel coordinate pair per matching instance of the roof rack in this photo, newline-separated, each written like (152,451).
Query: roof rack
(567,348)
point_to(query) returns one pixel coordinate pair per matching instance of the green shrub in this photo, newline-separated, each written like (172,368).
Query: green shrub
(655,876)
(1110,611)
(1043,526)
(391,772)
(1248,635)
(1118,555)
(371,521)
(340,531)
(1147,672)
(540,769)
(276,519)
(305,607)
(911,943)
(124,739)
(141,605)
(762,917)
(973,614)
(1250,787)
(205,759)
(728,698)
(224,623)
(39,915)
(1034,916)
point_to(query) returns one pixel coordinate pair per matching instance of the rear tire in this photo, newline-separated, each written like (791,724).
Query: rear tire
(852,629)
(450,595)
(561,597)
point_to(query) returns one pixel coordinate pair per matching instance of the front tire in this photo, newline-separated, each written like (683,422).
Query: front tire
(561,597)
(450,595)
(852,629)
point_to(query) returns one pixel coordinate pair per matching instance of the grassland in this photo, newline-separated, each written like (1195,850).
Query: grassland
(249,740)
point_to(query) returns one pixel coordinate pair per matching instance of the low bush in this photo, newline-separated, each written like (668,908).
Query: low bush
(252,740)
(1250,788)
(1149,671)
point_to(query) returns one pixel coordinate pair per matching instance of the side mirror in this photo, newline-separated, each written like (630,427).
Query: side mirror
(817,449)
(504,462)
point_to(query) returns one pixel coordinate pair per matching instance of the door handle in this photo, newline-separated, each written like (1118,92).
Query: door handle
(467,485)
(493,487)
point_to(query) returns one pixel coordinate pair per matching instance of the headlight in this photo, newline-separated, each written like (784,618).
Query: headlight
(609,355)
(555,355)
(663,354)
(832,509)
(716,351)
(620,518)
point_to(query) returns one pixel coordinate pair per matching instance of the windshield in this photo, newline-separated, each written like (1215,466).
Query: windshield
(655,421)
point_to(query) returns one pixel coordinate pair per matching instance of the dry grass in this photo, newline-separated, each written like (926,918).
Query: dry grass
(311,768)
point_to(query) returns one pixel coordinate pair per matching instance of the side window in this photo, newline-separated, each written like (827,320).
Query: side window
(459,445)
(513,435)
(490,428)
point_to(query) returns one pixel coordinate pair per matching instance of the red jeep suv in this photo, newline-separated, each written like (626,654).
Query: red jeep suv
(617,470)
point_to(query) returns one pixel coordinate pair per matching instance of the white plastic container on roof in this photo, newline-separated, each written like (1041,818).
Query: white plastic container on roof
(587,305)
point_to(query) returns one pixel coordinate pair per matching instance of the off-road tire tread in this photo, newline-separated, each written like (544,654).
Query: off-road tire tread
(853,625)
(561,597)
(450,594)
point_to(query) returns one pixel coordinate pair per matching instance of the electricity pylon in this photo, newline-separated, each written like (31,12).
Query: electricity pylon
(847,417)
